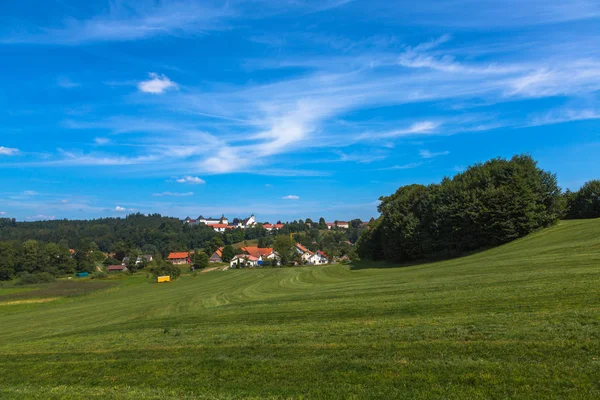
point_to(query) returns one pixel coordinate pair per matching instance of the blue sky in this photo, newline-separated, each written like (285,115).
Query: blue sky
(284,108)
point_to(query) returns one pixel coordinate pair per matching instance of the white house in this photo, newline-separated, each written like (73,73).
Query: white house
(244,260)
(247,222)
(305,254)
(338,224)
(221,227)
(318,258)
(271,227)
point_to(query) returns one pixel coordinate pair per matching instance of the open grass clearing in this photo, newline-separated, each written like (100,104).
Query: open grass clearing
(518,321)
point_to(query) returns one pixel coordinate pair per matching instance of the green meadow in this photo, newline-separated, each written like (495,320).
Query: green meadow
(518,321)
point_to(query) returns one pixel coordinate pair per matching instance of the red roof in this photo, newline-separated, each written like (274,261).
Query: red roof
(302,248)
(245,257)
(258,251)
(276,226)
(221,226)
(116,267)
(178,255)
(322,254)
(219,252)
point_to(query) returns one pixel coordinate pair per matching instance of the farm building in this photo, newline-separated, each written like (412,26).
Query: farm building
(181,257)
(217,256)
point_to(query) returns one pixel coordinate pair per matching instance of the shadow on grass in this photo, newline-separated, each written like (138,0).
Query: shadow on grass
(383,264)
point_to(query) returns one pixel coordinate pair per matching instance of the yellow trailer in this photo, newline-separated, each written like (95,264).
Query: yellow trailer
(164,279)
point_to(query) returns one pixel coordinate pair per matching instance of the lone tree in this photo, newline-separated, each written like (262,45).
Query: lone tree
(228,253)
(199,260)
(284,246)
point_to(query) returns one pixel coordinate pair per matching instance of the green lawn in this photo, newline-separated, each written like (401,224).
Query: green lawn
(518,321)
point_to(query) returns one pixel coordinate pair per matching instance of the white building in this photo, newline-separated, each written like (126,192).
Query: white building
(247,222)
(244,260)
(207,221)
(318,258)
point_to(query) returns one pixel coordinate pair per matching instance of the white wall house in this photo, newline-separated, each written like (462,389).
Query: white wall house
(244,260)
(318,258)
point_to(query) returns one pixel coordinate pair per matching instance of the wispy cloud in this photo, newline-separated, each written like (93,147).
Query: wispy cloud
(291,197)
(8,151)
(400,167)
(66,83)
(120,209)
(130,20)
(157,84)
(173,194)
(429,154)
(194,180)
(101,141)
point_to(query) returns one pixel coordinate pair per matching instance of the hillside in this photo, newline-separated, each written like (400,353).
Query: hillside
(518,321)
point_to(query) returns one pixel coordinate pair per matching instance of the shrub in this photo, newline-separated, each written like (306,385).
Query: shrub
(32,279)
(99,275)
(166,268)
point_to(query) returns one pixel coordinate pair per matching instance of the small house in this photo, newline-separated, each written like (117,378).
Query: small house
(244,260)
(217,256)
(180,257)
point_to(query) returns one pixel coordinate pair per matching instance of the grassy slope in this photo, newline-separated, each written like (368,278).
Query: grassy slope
(518,321)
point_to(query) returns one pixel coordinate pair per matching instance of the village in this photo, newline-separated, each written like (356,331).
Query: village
(252,256)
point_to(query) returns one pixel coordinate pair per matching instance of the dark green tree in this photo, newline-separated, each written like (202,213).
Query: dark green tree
(228,253)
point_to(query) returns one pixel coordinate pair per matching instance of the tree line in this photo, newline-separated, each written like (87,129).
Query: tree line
(486,205)
(67,246)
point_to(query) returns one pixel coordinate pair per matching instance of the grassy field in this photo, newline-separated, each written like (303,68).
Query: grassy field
(518,321)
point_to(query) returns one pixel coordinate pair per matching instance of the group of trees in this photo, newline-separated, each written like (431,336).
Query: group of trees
(584,203)
(487,205)
(32,257)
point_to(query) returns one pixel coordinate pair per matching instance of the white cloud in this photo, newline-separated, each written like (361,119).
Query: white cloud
(429,154)
(173,194)
(194,180)
(2,212)
(30,193)
(101,141)
(291,197)
(157,84)
(41,217)
(64,201)
(400,167)
(120,209)
(8,151)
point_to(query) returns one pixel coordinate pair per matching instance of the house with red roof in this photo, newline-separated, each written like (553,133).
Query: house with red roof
(221,227)
(217,256)
(180,257)
(318,258)
(262,253)
(271,227)
(244,260)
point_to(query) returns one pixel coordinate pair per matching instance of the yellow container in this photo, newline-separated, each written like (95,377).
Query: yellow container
(164,279)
